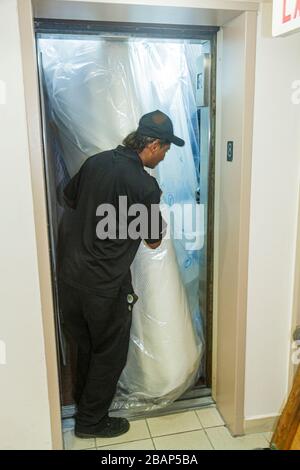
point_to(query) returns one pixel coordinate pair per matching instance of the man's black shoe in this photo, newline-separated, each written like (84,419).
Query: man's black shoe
(109,427)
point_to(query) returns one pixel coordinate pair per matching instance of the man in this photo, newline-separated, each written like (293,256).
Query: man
(96,296)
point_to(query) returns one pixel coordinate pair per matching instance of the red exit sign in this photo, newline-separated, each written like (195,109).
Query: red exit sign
(286,16)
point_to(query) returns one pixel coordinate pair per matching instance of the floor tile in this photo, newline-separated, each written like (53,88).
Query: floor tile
(268,436)
(138,430)
(194,440)
(210,417)
(145,444)
(221,439)
(175,423)
(75,443)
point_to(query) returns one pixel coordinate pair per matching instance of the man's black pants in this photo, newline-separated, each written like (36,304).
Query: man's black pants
(100,327)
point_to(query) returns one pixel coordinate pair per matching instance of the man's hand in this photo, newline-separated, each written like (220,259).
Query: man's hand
(153,246)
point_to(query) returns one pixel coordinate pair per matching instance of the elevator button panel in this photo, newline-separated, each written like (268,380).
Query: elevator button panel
(230,151)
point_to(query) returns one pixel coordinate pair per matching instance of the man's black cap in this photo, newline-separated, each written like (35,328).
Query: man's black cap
(159,125)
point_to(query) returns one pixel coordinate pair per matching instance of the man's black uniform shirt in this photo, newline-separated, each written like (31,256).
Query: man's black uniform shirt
(87,262)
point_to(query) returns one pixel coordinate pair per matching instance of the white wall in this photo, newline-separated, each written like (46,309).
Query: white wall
(24,407)
(275,184)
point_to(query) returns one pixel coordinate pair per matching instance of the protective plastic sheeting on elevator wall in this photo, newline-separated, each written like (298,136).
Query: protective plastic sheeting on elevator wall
(97,90)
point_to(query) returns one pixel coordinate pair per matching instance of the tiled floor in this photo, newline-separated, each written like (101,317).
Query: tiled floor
(201,429)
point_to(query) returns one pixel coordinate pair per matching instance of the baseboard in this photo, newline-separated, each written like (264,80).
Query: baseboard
(263,424)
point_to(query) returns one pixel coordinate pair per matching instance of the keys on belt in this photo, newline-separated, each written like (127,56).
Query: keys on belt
(131,300)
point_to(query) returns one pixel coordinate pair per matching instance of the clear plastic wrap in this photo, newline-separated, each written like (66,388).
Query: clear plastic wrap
(165,351)
(97,90)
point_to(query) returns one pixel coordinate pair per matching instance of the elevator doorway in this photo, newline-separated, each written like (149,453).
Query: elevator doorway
(69,134)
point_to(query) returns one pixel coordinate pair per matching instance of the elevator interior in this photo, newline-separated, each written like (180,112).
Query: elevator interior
(96,80)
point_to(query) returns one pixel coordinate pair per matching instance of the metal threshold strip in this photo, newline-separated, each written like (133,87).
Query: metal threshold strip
(197,398)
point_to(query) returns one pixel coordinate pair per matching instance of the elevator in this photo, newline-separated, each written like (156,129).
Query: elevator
(96,80)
